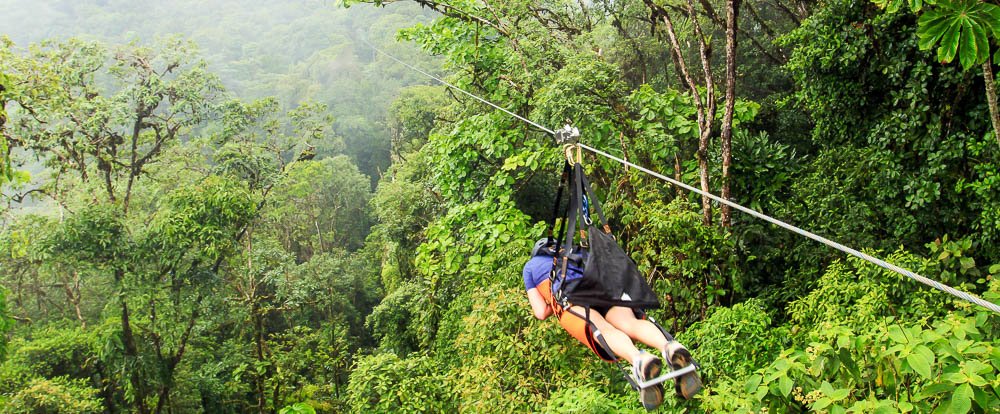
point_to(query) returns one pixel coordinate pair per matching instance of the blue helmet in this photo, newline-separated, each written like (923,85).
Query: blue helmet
(543,246)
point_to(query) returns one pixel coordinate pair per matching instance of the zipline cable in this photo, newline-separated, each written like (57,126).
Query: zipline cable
(874,260)
(551,132)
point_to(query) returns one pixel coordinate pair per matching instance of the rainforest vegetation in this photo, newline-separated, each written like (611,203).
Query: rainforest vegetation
(240,206)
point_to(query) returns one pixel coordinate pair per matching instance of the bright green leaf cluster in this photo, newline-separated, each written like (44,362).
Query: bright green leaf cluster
(962,28)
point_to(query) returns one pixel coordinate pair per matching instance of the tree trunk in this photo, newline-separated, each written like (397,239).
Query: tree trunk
(131,350)
(705,123)
(991,97)
(258,335)
(705,108)
(706,203)
(732,14)
(72,290)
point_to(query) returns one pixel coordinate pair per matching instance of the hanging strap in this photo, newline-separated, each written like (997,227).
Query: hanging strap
(555,208)
(567,247)
(567,172)
(593,199)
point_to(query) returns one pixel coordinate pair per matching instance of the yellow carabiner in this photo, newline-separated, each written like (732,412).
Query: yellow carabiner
(570,157)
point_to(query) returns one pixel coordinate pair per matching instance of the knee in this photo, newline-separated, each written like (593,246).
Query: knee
(628,327)
(616,331)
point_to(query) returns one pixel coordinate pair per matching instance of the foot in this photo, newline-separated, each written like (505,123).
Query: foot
(678,357)
(645,367)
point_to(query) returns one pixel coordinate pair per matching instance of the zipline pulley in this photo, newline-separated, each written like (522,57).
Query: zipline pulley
(567,135)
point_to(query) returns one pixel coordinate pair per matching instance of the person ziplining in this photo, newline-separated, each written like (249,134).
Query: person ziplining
(599,297)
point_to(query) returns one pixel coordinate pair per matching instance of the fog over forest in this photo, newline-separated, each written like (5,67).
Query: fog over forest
(296,51)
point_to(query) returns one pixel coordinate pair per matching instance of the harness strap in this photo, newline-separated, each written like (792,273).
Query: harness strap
(567,248)
(559,195)
(593,199)
(595,333)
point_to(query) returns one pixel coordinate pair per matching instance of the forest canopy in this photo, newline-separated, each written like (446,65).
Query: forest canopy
(242,206)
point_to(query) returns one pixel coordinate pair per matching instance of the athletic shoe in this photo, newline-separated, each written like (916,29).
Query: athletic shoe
(645,367)
(678,357)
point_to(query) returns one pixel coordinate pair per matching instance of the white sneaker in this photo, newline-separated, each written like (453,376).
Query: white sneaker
(647,366)
(678,357)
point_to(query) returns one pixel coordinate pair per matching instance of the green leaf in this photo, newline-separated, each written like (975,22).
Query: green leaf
(961,400)
(949,42)
(930,27)
(821,404)
(955,377)
(981,396)
(885,408)
(968,262)
(932,389)
(920,362)
(840,394)
(761,393)
(982,43)
(785,385)
(967,54)
(991,18)
(977,380)
(753,383)
(896,333)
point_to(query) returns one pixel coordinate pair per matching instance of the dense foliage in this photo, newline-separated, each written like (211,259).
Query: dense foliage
(240,207)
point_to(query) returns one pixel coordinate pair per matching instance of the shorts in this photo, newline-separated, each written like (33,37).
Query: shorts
(578,325)
(581,328)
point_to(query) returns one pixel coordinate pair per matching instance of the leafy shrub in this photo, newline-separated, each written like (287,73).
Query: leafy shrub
(846,296)
(59,395)
(297,408)
(394,322)
(384,383)
(734,342)
(310,367)
(507,361)
(53,353)
(588,400)
(859,294)
(5,323)
(947,367)
(694,265)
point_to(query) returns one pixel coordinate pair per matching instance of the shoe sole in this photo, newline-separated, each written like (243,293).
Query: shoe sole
(652,396)
(689,384)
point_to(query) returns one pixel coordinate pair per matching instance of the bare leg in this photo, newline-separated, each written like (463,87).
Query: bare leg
(638,329)
(617,340)
(646,332)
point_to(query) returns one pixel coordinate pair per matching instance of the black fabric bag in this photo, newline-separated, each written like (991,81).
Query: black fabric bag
(610,277)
